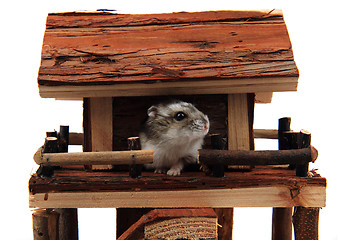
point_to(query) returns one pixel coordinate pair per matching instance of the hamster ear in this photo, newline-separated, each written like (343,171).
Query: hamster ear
(152,111)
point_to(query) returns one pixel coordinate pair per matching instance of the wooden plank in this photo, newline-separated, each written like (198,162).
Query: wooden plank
(80,181)
(156,88)
(101,126)
(117,49)
(238,122)
(272,196)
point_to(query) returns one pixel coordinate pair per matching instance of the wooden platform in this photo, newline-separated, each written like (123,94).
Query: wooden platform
(262,187)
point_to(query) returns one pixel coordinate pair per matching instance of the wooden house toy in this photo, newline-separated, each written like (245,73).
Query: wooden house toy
(223,62)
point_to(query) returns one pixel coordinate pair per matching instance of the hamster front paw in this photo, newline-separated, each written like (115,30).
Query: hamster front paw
(174,172)
(160,170)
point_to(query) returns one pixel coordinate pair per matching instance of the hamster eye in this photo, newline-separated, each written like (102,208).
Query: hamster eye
(180,116)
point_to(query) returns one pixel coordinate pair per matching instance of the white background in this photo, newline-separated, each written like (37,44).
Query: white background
(325,38)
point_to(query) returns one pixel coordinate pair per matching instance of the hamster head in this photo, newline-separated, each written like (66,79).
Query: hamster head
(176,120)
(175,131)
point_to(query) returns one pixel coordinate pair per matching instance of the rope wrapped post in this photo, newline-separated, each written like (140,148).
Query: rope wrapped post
(134,168)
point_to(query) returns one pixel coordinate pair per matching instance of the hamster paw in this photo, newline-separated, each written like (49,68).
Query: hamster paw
(174,172)
(161,171)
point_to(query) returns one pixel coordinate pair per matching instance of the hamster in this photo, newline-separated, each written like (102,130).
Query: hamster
(175,131)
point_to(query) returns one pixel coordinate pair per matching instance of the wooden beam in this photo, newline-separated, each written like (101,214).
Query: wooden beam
(266,157)
(76,138)
(94,158)
(233,86)
(273,196)
(101,126)
(266,133)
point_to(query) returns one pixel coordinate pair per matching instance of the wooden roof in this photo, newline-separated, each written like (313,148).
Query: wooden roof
(107,54)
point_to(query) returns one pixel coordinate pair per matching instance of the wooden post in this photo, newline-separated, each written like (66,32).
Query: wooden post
(305,139)
(68,217)
(63,137)
(134,169)
(68,223)
(45,225)
(101,126)
(281,219)
(305,219)
(306,223)
(238,122)
(240,137)
(50,146)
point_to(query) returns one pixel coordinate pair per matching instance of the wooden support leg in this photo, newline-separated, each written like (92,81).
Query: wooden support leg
(281,224)
(45,224)
(281,219)
(68,223)
(225,220)
(306,223)
(305,220)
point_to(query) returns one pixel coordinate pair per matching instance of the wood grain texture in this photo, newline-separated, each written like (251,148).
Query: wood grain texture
(88,50)
(101,114)
(238,122)
(262,187)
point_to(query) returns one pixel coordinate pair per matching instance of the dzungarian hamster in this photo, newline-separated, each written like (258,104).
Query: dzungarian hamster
(175,131)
